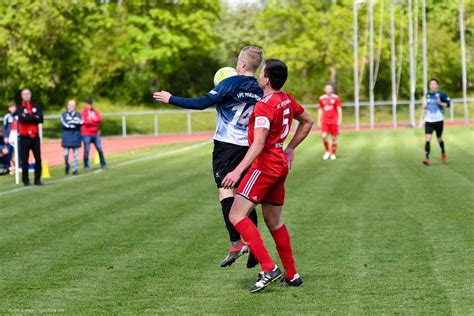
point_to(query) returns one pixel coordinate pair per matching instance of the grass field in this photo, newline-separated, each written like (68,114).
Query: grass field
(373,232)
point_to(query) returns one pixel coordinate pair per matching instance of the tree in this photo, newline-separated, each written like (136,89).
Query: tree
(120,50)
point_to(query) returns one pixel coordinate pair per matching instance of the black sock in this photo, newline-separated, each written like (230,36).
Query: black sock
(441,144)
(253,217)
(226,206)
(427,150)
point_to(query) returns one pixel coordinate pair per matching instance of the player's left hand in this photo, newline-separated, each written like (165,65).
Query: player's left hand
(231,179)
(162,96)
(290,155)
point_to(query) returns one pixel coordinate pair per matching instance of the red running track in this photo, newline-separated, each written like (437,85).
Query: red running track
(52,152)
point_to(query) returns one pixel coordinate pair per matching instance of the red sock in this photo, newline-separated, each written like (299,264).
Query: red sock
(326,144)
(252,236)
(334,147)
(283,245)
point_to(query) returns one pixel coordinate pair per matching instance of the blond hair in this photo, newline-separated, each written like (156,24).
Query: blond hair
(253,56)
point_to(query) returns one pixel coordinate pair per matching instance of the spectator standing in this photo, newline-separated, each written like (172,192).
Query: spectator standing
(30,116)
(90,133)
(71,122)
(4,161)
(10,121)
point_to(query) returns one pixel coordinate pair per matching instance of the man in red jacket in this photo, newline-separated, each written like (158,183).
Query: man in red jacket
(30,116)
(90,133)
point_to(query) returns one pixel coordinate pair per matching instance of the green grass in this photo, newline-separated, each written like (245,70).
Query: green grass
(373,232)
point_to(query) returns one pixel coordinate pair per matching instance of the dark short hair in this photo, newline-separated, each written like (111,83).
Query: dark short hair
(277,72)
(434,79)
(89,101)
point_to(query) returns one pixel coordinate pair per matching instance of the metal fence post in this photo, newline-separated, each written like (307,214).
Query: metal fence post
(188,118)
(124,125)
(357,116)
(16,158)
(156,124)
(466,112)
(451,109)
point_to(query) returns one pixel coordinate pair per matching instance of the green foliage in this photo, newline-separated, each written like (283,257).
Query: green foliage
(125,50)
(235,29)
(121,51)
(316,39)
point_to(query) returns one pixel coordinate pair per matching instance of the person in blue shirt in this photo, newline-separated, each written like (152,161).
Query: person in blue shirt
(71,122)
(8,121)
(4,161)
(434,113)
(234,98)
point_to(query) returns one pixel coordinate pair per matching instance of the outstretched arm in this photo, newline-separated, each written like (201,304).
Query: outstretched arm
(303,129)
(187,103)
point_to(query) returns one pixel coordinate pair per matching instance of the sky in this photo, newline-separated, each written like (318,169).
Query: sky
(236,2)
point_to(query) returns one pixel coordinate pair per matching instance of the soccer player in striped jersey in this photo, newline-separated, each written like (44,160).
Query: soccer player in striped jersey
(235,98)
(434,107)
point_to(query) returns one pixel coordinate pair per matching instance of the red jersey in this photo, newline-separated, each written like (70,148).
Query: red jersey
(274,111)
(329,105)
(92,120)
(29,116)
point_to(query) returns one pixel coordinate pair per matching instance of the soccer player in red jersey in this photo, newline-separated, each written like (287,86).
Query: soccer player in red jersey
(329,119)
(264,182)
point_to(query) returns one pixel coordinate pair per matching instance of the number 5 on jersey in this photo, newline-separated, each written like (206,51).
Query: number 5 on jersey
(286,123)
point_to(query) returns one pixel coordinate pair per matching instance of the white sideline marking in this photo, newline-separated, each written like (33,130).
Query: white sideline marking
(157,156)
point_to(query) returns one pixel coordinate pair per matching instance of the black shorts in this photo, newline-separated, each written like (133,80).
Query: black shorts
(434,126)
(225,158)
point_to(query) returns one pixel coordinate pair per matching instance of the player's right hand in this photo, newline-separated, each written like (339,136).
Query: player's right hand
(231,179)
(290,155)
(162,96)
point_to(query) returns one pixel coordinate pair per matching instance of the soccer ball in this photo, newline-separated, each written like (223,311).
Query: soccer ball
(224,73)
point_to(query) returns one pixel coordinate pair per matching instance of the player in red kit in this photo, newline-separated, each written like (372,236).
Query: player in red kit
(264,182)
(329,119)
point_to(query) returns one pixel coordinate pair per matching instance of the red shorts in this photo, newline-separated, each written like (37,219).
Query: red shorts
(332,129)
(258,187)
